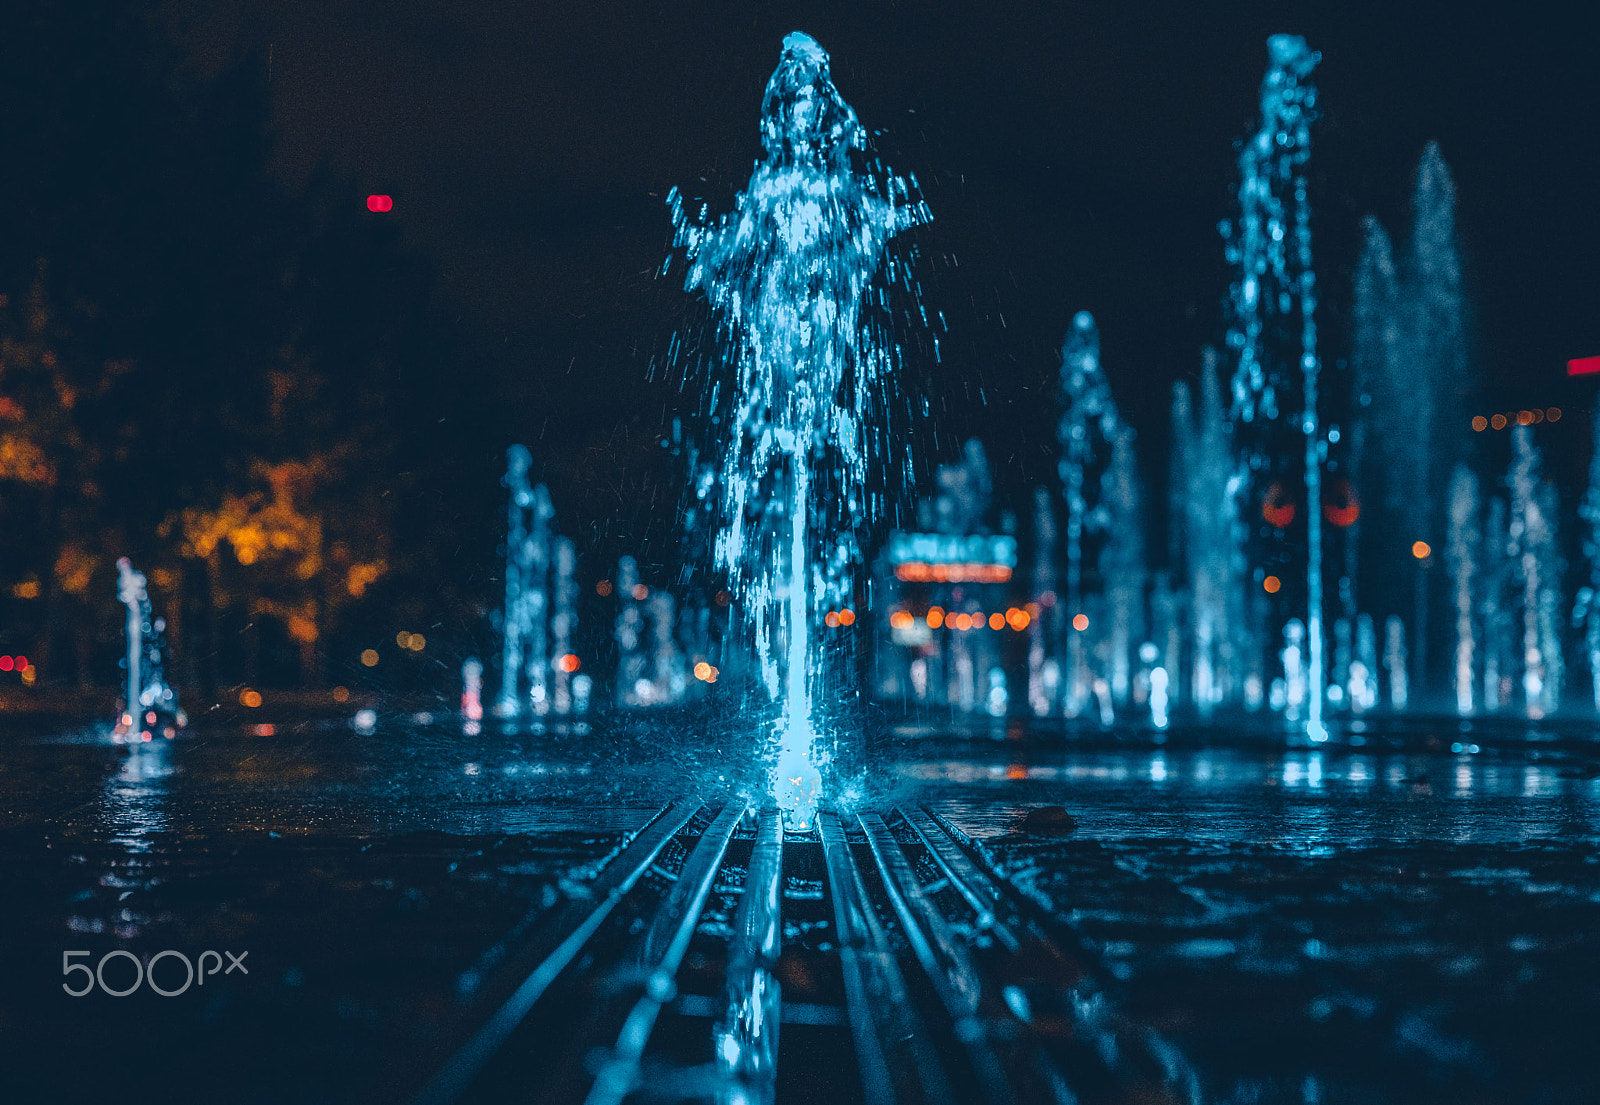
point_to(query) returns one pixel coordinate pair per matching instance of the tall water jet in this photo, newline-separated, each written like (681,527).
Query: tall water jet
(1495,609)
(1462,555)
(1587,608)
(1122,566)
(1219,623)
(1373,355)
(564,623)
(1271,246)
(1536,563)
(1087,432)
(1044,671)
(525,652)
(1408,365)
(633,688)
(150,701)
(790,273)
(512,630)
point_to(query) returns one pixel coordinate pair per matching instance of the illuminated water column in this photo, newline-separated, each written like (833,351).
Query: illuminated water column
(1589,596)
(1275,289)
(1536,562)
(790,273)
(633,689)
(563,623)
(131,591)
(1087,432)
(536,601)
(1462,555)
(525,654)
(513,630)
(150,701)
(1044,670)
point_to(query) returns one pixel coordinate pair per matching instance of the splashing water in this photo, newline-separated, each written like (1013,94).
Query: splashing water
(148,697)
(1276,287)
(790,273)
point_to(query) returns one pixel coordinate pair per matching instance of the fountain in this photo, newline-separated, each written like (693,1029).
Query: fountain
(1462,555)
(537,662)
(150,704)
(1088,432)
(1237,618)
(1586,611)
(1271,247)
(790,273)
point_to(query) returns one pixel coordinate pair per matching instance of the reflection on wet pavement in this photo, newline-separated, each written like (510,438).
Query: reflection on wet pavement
(1315,926)
(1372,924)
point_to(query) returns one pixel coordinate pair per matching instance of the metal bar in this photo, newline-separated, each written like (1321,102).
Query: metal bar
(557,942)
(981,894)
(1136,1055)
(661,952)
(746,1041)
(954,976)
(896,1058)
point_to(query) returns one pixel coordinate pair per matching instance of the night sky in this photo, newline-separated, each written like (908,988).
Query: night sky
(1073,155)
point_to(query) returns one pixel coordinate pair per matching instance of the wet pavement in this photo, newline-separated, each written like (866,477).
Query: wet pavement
(1393,922)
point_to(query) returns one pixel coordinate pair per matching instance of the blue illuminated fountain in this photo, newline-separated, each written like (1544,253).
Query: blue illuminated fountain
(798,280)
(791,274)
(150,704)
(540,616)
(1275,379)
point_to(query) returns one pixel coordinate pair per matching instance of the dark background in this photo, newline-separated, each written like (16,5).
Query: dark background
(197,173)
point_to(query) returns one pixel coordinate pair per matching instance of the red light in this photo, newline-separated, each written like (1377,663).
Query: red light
(379,203)
(22,663)
(1276,509)
(1341,508)
(6,663)
(1583,366)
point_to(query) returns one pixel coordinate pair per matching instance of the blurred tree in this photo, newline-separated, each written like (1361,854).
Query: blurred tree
(204,359)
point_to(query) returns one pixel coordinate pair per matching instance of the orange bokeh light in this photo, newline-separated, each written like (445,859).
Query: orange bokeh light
(997,621)
(832,620)
(1421,550)
(1480,423)
(568,663)
(847,617)
(918,571)
(1271,585)
(1080,622)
